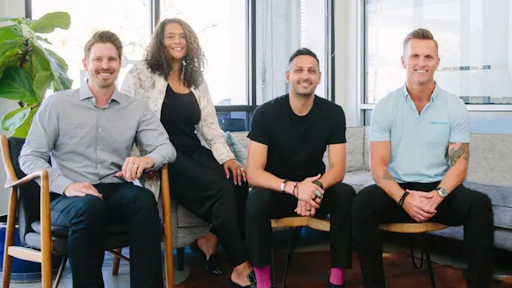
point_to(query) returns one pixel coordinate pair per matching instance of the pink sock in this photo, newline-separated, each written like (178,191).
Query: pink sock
(336,276)
(263,277)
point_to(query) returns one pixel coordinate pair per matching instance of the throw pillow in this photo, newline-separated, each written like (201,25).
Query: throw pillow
(237,149)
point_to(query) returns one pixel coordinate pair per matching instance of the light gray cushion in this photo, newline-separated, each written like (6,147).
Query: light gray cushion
(187,219)
(367,148)
(355,140)
(501,236)
(358,179)
(490,159)
(501,198)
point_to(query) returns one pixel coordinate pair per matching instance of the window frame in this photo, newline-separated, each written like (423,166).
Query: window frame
(251,53)
(364,107)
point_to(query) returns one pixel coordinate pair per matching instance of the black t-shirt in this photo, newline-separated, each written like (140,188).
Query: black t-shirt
(180,114)
(296,144)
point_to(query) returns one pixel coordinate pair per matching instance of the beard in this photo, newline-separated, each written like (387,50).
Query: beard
(304,92)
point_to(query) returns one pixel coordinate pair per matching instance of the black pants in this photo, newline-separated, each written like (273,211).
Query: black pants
(264,205)
(87,218)
(199,183)
(463,206)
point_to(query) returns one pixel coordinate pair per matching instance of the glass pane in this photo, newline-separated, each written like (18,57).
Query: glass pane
(281,28)
(130,22)
(489,122)
(474,46)
(233,121)
(221,26)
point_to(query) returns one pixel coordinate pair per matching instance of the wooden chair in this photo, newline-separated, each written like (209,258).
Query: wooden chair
(31,204)
(295,225)
(420,229)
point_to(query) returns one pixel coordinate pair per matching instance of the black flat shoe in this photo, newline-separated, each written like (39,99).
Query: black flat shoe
(210,264)
(252,279)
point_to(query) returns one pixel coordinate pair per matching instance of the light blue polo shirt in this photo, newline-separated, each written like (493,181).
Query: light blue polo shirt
(419,142)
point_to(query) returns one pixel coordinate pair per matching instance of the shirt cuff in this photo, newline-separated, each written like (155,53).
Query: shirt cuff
(159,161)
(60,184)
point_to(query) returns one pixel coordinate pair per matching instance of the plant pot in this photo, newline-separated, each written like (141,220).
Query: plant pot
(23,271)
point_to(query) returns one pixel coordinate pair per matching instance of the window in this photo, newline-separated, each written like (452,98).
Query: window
(281,28)
(246,43)
(221,27)
(129,19)
(474,46)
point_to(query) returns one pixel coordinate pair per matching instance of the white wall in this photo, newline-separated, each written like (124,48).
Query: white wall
(8,8)
(348,50)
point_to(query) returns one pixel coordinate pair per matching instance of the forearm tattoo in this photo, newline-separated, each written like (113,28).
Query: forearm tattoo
(455,154)
(388,176)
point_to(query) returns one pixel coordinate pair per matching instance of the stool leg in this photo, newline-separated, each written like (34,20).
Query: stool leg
(424,241)
(180,258)
(412,253)
(292,243)
(273,266)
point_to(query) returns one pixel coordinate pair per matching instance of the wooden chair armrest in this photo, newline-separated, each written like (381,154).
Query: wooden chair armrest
(44,217)
(25,180)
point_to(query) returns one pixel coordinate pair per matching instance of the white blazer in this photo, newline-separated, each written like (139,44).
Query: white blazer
(142,83)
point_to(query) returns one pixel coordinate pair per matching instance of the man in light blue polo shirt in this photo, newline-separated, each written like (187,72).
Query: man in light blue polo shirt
(419,153)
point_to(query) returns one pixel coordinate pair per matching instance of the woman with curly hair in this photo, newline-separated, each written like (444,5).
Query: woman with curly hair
(208,182)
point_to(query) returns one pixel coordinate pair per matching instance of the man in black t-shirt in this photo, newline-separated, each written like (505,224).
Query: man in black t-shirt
(289,136)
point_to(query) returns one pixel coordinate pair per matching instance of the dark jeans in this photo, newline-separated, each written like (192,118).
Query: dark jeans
(463,206)
(264,205)
(87,218)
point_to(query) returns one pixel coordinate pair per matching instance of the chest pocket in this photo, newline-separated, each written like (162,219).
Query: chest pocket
(437,133)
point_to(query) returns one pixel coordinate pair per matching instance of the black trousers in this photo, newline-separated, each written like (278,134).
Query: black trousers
(264,205)
(87,218)
(463,206)
(199,183)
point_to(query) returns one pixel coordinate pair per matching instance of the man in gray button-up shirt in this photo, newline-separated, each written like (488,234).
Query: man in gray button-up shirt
(88,133)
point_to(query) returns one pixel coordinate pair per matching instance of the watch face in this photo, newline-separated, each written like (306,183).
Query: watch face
(442,192)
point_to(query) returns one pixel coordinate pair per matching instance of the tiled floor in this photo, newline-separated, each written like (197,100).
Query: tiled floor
(443,251)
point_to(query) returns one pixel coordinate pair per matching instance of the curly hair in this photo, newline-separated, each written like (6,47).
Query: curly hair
(159,61)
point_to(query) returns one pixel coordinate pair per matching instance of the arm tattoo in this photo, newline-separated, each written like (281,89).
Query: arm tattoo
(388,176)
(455,154)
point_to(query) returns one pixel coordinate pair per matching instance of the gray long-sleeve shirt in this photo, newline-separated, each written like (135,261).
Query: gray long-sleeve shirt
(89,144)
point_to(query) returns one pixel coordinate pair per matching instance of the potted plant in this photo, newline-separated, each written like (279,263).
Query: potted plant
(28,69)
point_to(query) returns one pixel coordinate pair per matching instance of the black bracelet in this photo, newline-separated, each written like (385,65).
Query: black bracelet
(295,187)
(402,199)
(319,184)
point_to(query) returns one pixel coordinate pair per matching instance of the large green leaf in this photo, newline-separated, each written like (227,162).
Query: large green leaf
(22,131)
(19,20)
(61,80)
(15,84)
(41,84)
(6,33)
(9,45)
(37,62)
(27,32)
(50,21)
(59,59)
(14,119)
(44,40)
(10,58)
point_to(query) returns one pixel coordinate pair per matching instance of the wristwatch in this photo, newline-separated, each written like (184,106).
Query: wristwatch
(319,184)
(442,192)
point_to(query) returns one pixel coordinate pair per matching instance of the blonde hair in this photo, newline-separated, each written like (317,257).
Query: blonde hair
(422,34)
